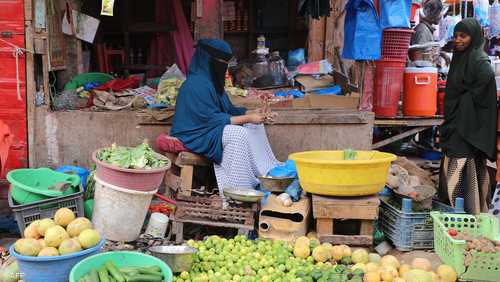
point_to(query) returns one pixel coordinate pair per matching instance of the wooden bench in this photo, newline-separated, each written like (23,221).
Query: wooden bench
(179,177)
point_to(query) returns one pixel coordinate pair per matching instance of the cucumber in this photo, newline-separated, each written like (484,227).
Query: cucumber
(93,276)
(103,274)
(145,278)
(110,266)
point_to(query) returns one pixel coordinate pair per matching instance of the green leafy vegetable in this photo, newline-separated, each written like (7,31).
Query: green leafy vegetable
(350,155)
(140,157)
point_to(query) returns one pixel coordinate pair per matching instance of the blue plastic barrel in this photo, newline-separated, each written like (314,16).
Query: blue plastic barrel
(51,269)
(80,171)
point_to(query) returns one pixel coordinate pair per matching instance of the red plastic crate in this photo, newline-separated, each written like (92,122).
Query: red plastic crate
(395,43)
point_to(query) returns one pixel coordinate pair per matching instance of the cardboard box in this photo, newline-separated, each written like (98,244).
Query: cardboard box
(311,101)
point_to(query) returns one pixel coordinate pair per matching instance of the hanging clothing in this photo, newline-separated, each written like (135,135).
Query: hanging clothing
(202,112)
(246,155)
(468,134)
(183,40)
(467,178)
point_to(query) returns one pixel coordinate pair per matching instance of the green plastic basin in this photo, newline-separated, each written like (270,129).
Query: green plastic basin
(120,259)
(32,185)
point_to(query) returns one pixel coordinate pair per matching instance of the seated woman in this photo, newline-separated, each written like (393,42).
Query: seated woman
(208,124)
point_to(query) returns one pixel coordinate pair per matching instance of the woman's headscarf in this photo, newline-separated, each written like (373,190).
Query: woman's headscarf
(470,100)
(203,108)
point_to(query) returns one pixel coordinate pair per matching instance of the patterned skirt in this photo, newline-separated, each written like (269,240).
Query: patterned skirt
(467,178)
(246,155)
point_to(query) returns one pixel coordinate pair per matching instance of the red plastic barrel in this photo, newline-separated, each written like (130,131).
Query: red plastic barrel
(388,86)
(420,92)
(441,91)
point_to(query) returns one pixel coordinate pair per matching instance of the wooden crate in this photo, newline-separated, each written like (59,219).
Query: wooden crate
(328,209)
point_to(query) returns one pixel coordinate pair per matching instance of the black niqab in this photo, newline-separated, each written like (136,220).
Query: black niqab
(470,100)
(218,66)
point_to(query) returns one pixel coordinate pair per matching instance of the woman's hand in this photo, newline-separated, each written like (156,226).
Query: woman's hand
(256,118)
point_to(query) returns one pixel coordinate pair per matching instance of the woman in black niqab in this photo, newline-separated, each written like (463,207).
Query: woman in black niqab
(468,134)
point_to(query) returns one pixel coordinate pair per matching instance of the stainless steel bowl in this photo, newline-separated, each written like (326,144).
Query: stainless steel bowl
(275,184)
(179,258)
(243,194)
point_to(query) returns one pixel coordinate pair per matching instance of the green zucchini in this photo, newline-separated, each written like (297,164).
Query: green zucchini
(93,276)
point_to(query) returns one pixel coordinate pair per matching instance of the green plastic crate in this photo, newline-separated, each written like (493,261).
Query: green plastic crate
(483,266)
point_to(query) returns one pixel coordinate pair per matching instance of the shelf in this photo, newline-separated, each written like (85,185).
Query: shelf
(143,67)
(235,32)
(149,28)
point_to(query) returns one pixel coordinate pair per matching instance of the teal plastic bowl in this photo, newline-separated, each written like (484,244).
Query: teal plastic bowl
(120,259)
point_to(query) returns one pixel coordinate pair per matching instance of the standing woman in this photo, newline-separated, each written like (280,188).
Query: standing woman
(468,134)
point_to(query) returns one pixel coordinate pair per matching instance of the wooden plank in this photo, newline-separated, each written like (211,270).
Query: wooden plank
(409,122)
(28,10)
(172,181)
(330,32)
(214,223)
(345,208)
(186,180)
(350,240)
(316,40)
(398,137)
(324,226)
(30,88)
(187,158)
(366,227)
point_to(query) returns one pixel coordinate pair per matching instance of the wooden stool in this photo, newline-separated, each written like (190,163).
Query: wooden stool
(328,209)
(180,176)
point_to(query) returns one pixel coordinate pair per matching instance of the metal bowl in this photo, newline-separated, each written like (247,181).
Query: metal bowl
(179,258)
(243,194)
(275,184)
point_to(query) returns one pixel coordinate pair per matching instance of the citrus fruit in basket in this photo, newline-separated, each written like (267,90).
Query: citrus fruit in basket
(28,246)
(55,235)
(64,216)
(48,252)
(76,227)
(89,238)
(69,246)
(45,224)
(31,231)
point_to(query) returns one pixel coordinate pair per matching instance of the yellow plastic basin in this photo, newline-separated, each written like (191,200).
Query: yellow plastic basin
(327,173)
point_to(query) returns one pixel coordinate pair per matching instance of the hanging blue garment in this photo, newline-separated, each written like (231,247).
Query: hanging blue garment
(362,31)
(395,13)
(200,112)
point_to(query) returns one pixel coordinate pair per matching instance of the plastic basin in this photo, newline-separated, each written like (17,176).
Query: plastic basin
(327,173)
(53,269)
(120,259)
(32,185)
(134,179)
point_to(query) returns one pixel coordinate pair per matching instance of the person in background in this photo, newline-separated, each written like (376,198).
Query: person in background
(208,124)
(468,134)
(430,15)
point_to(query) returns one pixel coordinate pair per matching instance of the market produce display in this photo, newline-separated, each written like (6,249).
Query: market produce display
(65,234)
(305,260)
(474,244)
(168,90)
(110,273)
(140,157)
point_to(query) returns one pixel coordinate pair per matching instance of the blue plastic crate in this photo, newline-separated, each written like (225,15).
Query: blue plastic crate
(408,230)
(8,223)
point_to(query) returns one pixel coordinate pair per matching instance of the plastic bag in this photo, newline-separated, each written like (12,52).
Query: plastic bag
(295,58)
(287,169)
(481,8)
(395,13)
(495,19)
(447,27)
(362,25)
(294,190)
(173,72)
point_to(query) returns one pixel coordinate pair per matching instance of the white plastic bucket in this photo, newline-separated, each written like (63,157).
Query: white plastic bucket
(119,213)
(157,225)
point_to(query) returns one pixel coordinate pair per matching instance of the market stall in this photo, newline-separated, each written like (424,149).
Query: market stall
(341,205)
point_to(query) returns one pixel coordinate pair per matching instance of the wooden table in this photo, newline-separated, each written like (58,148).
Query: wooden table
(412,125)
